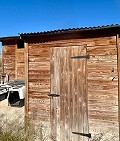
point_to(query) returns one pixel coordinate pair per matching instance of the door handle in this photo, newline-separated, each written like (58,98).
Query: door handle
(81,57)
(54,95)
(83,134)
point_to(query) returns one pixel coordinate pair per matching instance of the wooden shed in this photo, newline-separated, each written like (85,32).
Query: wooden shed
(13,62)
(73,81)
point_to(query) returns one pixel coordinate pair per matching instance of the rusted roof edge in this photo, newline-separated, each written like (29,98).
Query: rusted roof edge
(72,30)
(9,38)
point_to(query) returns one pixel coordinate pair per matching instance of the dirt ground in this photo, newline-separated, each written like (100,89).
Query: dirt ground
(12,119)
(10,115)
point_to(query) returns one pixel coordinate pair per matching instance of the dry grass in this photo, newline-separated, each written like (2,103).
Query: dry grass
(16,131)
(12,127)
(109,134)
(19,133)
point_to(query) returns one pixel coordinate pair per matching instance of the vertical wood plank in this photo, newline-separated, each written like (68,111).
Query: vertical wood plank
(80,92)
(52,101)
(118,63)
(85,96)
(19,63)
(74,92)
(16,61)
(26,78)
(66,95)
(2,58)
(79,86)
(55,88)
(70,93)
(58,91)
(55,92)
(62,96)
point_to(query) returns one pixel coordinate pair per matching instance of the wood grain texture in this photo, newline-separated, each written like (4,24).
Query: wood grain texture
(38,83)
(88,89)
(68,78)
(118,63)
(13,61)
(8,60)
(103,85)
(26,81)
(20,63)
(102,41)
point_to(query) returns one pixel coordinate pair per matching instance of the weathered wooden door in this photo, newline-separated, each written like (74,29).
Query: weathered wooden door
(69,110)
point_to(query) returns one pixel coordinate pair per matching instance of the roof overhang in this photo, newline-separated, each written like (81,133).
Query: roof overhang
(9,40)
(63,34)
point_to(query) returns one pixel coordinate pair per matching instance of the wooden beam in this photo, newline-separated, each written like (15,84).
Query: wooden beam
(15,61)
(26,79)
(2,58)
(118,63)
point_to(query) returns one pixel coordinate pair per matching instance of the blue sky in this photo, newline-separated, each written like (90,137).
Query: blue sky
(21,16)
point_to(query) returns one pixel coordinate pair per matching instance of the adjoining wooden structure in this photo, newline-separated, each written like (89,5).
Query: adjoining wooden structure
(73,80)
(13,62)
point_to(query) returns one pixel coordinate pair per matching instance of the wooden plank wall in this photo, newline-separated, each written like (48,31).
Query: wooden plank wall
(8,60)
(102,79)
(20,64)
(38,82)
(103,86)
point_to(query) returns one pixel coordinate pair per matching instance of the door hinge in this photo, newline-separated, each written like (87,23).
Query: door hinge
(54,95)
(83,134)
(80,57)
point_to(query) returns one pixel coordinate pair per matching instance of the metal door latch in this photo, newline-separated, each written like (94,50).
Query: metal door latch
(54,95)
(83,134)
(80,57)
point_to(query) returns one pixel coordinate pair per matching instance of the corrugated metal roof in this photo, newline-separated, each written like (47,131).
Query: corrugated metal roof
(73,29)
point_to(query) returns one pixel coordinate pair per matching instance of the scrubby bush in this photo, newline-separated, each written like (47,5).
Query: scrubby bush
(16,131)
